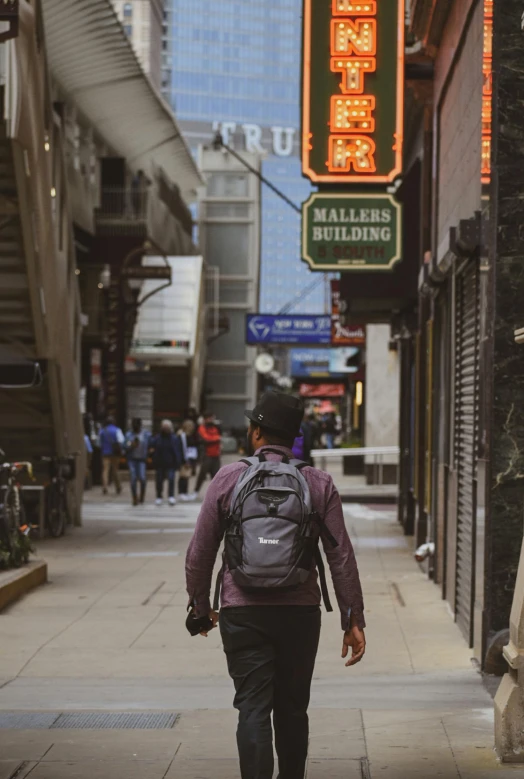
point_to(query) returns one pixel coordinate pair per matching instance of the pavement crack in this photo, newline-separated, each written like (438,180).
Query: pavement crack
(78,619)
(149,624)
(386,578)
(364,768)
(451,749)
(152,595)
(18,770)
(368,775)
(171,763)
(398,595)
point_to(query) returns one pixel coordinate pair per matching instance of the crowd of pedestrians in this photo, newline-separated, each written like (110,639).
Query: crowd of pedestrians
(191,450)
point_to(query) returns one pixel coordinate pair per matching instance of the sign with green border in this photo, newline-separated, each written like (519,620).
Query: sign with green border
(353,90)
(351,232)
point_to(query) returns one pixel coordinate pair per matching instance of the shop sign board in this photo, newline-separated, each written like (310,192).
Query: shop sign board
(322,390)
(348,232)
(343,334)
(346,359)
(146,272)
(287,329)
(312,363)
(353,87)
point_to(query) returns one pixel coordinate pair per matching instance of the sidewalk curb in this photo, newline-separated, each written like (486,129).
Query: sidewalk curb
(14,584)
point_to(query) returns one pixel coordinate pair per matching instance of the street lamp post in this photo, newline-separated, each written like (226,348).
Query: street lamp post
(218,143)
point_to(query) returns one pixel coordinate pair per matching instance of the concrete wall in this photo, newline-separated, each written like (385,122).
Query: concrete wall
(146,37)
(382,390)
(459,120)
(229,219)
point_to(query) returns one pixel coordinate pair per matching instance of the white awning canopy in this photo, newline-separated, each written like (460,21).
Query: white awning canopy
(94,63)
(166,331)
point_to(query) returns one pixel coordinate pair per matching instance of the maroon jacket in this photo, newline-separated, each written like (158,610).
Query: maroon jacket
(205,544)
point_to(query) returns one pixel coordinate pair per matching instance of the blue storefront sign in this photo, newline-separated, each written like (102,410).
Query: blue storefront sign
(310,363)
(300,329)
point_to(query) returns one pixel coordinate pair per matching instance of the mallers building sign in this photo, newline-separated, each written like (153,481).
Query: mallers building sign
(345,232)
(353,79)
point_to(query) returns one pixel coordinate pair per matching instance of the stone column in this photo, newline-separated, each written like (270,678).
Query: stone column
(505,434)
(502,364)
(509,701)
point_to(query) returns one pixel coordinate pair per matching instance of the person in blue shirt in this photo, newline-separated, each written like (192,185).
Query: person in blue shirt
(168,457)
(112,445)
(137,448)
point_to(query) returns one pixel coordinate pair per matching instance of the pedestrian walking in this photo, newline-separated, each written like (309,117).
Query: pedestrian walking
(270,593)
(137,449)
(189,441)
(329,426)
(168,457)
(211,438)
(112,445)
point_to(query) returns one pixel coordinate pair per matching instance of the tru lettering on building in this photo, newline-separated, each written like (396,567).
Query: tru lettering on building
(353,90)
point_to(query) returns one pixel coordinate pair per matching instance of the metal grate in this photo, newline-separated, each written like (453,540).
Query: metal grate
(116,721)
(14,720)
(27,720)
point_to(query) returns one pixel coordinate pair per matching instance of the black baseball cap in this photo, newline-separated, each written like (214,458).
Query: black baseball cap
(281,414)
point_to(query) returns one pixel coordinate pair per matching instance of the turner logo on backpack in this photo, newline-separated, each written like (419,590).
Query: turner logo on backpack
(271,508)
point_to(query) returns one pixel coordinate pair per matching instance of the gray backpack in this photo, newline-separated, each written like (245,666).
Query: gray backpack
(271,538)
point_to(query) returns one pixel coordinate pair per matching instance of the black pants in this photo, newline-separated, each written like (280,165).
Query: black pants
(271,652)
(211,466)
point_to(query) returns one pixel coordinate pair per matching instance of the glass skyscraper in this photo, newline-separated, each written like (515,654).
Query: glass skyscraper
(236,66)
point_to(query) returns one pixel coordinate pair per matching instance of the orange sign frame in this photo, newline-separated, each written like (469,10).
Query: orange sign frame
(347,142)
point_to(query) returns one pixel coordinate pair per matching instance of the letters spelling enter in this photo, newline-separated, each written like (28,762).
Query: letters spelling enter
(353,55)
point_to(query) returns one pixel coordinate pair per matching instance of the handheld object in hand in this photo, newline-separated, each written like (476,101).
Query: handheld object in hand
(197,625)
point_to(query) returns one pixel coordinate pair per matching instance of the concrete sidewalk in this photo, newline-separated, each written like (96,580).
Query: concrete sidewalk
(107,635)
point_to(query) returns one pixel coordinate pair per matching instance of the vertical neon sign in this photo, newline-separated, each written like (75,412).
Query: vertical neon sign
(487,91)
(353,90)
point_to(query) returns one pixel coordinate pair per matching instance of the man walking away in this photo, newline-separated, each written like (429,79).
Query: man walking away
(168,457)
(211,438)
(112,445)
(270,616)
(137,448)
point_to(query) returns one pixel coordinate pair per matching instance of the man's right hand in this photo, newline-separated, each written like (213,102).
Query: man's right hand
(354,638)
(213,616)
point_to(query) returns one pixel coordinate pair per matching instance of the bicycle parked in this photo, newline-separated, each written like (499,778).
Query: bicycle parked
(61,471)
(12,512)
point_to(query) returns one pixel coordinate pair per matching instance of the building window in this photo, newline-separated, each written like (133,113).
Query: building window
(128,10)
(128,29)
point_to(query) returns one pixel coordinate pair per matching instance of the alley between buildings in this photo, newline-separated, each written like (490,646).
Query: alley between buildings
(107,635)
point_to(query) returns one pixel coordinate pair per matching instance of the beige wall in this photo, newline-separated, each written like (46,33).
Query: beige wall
(146,23)
(382,389)
(459,143)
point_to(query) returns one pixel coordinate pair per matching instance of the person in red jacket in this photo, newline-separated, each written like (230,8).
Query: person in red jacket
(211,438)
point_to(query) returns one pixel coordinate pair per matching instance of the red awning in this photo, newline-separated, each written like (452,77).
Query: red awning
(322,390)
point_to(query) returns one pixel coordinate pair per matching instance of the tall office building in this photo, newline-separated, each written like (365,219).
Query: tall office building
(236,67)
(142,22)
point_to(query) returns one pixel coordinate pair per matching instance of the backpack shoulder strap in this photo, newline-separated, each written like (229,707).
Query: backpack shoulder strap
(324,530)
(299,464)
(250,462)
(322,577)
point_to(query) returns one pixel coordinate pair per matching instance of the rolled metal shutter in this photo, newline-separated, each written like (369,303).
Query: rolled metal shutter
(467,387)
